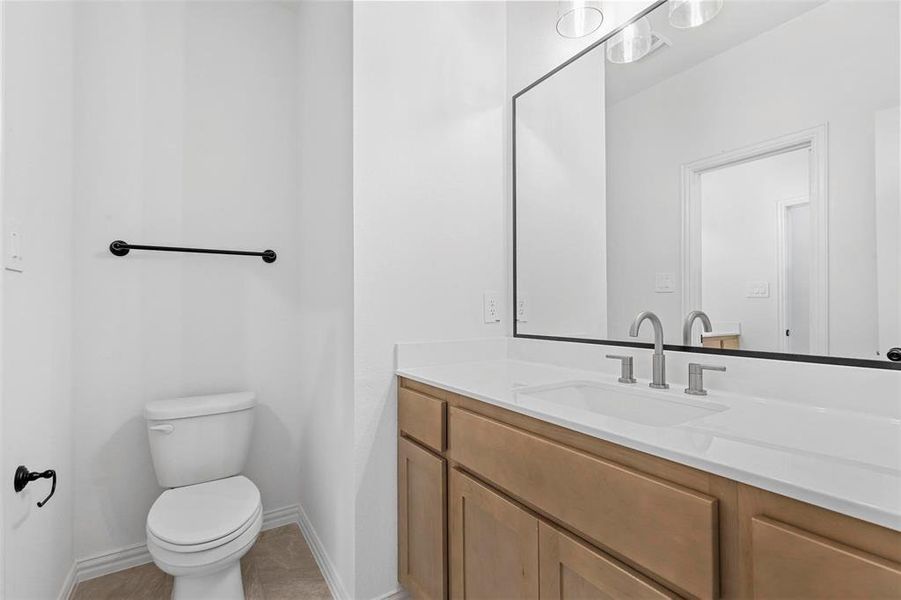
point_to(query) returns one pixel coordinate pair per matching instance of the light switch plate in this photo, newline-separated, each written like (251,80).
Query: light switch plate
(665,283)
(13,247)
(491,308)
(758,289)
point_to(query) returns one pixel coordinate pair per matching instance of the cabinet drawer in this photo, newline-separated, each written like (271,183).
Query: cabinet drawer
(667,529)
(570,569)
(792,563)
(421,515)
(422,418)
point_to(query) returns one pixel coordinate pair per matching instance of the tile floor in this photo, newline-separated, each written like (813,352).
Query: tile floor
(279,566)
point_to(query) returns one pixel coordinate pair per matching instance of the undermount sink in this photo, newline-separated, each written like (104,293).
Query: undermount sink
(647,407)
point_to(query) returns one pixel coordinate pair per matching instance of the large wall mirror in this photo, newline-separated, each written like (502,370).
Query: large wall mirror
(746,166)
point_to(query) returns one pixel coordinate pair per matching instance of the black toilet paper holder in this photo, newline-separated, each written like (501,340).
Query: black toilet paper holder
(23,477)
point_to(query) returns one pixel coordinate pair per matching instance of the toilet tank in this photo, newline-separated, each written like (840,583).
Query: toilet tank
(199,438)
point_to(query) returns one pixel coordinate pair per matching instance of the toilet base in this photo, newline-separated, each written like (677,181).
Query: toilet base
(225,584)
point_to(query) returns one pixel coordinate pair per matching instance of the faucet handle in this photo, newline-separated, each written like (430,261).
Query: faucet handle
(699,367)
(696,378)
(626,367)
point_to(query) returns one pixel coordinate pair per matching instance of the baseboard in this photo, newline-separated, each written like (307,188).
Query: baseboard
(329,573)
(110,562)
(68,584)
(137,554)
(278,517)
(398,594)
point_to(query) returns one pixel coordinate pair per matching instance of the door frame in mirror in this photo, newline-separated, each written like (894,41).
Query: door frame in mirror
(823,305)
(817,141)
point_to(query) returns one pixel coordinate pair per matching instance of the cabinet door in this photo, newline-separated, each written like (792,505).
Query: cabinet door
(422,513)
(494,543)
(792,563)
(573,570)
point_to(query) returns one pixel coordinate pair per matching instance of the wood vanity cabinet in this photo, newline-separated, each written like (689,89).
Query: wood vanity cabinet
(497,505)
(570,569)
(730,342)
(493,543)
(421,527)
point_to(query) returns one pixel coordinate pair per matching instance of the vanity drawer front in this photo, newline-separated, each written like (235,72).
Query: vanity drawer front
(422,418)
(668,530)
(792,563)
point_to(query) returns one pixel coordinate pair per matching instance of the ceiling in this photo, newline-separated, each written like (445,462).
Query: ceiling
(737,22)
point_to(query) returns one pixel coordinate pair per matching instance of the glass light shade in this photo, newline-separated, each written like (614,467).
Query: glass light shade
(685,14)
(631,44)
(578,18)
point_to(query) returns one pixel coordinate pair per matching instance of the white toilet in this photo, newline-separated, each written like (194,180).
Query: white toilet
(199,529)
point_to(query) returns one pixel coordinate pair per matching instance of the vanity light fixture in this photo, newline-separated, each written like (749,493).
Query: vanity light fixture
(578,18)
(685,14)
(632,43)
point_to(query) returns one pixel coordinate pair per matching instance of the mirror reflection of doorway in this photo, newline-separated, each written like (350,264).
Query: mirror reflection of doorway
(755,250)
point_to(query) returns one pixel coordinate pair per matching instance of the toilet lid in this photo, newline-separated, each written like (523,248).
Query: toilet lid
(201,513)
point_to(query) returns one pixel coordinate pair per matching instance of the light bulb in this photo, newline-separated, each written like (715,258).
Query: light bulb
(578,18)
(685,14)
(631,44)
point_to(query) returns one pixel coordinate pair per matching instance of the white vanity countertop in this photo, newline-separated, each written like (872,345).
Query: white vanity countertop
(845,461)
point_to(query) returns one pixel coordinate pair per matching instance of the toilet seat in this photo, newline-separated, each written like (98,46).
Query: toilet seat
(199,528)
(202,562)
(188,548)
(204,515)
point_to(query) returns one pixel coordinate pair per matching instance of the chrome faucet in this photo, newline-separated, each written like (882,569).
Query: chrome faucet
(690,321)
(658,380)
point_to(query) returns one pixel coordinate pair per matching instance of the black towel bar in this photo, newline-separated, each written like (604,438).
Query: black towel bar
(120,248)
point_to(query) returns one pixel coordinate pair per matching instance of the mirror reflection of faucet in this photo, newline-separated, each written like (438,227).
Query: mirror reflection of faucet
(689,323)
(658,378)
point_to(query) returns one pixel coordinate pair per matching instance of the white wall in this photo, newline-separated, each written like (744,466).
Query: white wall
(764,88)
(37,317)
(429,219)
(187,122)
(325,271)
(887,172)
(561,208)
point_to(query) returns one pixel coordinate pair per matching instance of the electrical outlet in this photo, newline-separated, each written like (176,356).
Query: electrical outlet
(522,312)
(490,307)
